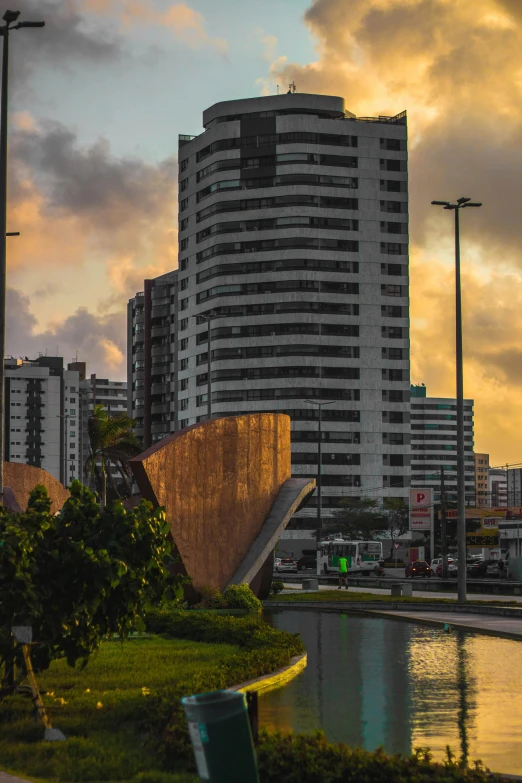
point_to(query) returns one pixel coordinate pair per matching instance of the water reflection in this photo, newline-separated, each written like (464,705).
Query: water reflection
(372,682)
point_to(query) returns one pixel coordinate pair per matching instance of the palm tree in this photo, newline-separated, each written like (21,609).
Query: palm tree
(111,441)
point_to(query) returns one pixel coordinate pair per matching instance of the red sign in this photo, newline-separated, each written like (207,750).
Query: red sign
(396,546)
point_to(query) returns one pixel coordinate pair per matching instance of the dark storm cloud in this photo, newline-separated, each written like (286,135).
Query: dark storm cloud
(67,39)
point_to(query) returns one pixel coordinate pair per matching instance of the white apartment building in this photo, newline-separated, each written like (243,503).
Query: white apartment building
(434,444)
(293,238)
(42,416)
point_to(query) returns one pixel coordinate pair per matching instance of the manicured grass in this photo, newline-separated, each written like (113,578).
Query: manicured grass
(347,596)
(103,742)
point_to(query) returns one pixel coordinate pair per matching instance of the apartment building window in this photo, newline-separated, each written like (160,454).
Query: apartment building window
(183,304)
(183,185)
(183,164)
(183,224)
(183,244)
(393,375)
(394,228)
(183,364)
(391,290)
(392,311)
(183,204)
(183,344)
(183,264)
(394,185)
(393,354)
(395,270)
(392,165)
(395,145)
(393,248)
(72,412)
(183,324)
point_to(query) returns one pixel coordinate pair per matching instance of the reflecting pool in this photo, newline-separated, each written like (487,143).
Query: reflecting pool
(372,682)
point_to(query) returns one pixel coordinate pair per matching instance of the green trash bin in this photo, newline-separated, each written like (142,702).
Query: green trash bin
(220,733)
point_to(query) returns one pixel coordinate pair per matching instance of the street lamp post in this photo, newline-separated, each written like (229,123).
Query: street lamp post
(319,463)
(208,318)
(461,489)
(9,18)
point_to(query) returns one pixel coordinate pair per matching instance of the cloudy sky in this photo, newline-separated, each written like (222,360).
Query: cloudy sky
(99,96)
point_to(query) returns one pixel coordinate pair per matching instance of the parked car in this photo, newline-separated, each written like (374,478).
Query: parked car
(277,560)
(480,569)
(438,562)
(418,568)
(307,561)
(286,564)
(453,569)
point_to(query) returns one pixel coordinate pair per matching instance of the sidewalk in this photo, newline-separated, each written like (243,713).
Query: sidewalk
(5,778)
(494,626)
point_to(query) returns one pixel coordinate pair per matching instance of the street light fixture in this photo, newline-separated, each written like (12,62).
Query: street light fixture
(9,17)
(461,488)
(208,318)
(319,463)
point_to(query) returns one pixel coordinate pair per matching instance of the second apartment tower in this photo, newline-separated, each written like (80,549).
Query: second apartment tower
(293,239)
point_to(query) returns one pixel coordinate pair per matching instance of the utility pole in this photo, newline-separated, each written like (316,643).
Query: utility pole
(461,464)
(443,525)
(9,17)
(319,464)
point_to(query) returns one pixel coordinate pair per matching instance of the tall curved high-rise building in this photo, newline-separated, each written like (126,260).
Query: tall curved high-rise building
(293,245)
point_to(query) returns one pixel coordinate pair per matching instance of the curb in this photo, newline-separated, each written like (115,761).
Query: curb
(397,606)
(274,679)
(441,623)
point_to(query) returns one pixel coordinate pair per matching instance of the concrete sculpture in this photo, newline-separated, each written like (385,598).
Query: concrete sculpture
(22,479)
(228,493)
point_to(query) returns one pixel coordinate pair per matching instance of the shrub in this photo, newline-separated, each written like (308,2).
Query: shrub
(311,759)
(277,587)
(242,597)
(210,599)
(263,649)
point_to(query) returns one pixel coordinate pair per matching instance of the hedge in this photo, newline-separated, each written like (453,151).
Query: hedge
(311,759)
(263,650)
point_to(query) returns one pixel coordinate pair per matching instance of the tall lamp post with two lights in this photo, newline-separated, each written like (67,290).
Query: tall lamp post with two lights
(461,486)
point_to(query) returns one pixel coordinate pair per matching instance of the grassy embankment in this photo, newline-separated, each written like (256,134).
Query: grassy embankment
(100,709)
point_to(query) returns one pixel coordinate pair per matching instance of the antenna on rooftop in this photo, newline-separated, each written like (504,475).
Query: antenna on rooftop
(291,88)
(278,89)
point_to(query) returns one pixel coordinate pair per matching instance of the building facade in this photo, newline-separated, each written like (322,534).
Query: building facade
(498,488)
(99,391)
(152,358)
(434,444)
(514,487)
(481,479)
(293,242)
(42,416)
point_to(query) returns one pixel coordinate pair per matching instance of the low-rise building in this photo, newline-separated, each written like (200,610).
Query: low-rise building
(481,479)
(434,444)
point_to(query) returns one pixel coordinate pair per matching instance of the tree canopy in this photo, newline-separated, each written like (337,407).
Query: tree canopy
(111,441)
(81,575)
(363,519)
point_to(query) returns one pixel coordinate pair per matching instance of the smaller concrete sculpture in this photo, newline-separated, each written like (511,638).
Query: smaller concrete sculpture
(20,480)
(228,493)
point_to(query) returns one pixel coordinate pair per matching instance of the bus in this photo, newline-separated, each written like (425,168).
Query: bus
(363,556)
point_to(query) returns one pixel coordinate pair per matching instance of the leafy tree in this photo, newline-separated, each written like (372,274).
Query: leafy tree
(357,519)
(111,441)
(395,516)
(81,575)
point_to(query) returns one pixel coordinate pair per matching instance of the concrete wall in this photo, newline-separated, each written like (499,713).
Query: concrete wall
(217,481)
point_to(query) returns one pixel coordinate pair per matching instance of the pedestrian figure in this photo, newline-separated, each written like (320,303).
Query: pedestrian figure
(343,572)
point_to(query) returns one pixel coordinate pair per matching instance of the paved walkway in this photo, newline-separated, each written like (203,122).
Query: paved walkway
(488,624)
(475,597)
(5,778)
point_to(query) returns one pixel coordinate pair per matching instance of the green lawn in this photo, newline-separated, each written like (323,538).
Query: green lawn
(347,596)
(98,709)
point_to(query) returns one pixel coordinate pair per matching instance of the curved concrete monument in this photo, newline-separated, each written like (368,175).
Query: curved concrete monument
(22,479)
(228,493)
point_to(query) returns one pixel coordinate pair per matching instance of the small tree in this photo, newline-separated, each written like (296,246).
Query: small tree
(396,518)
(357,519)
(81,575)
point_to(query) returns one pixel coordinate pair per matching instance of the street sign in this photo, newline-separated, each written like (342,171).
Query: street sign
(421,509)
(490,523)
(396,546)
